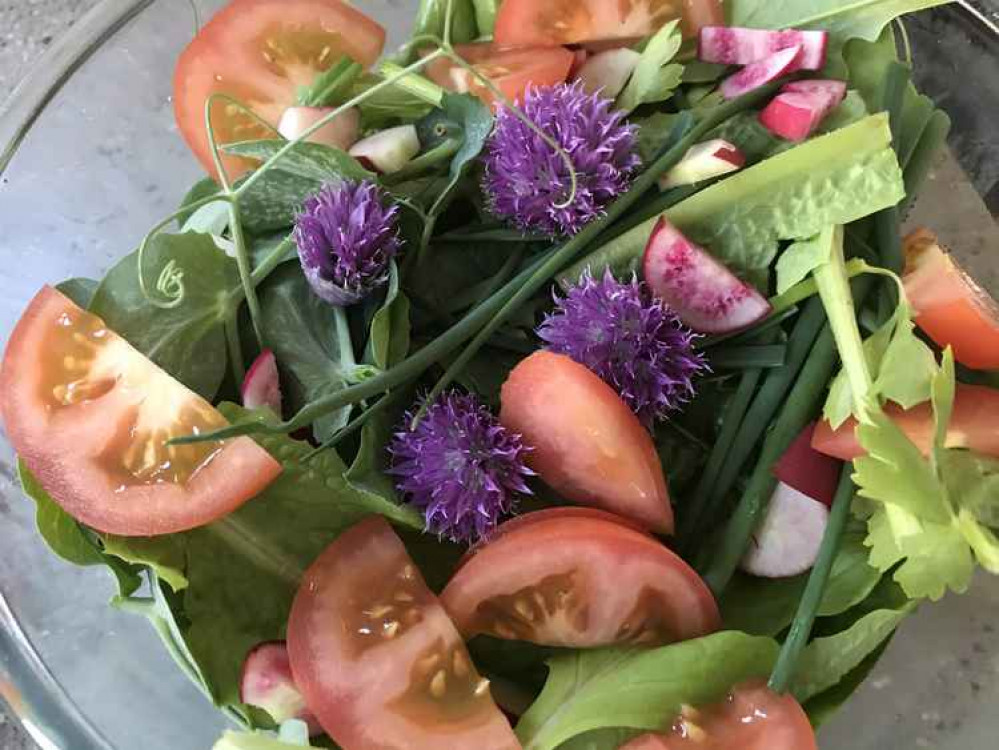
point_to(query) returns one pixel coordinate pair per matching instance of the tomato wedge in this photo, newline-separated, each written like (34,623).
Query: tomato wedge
(260,52)
(90,416)
(950,307)
(579,581)
(972,425)
(378,660)
(586,443)
(750,718)
(511,71)
(545,23)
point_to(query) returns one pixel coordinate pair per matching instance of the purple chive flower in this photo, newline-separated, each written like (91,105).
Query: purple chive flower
(460,466)
(629,338)
(346,236)
(526,180)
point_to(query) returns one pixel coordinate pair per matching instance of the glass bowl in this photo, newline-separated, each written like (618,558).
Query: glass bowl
(91,158)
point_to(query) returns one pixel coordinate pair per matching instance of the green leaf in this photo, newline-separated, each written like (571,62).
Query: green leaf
(203,188)
(654,132)
(188,340)
(388,340)
(823,706)
(80,290)
(601,739)
(747,133)
(485,15)
(472,118)
(826,661)
(431,19)
(332,86)
(70,540)
(301,330)
(310,161)
(388,106)
(641,689)
(254,741)
(654,79)
(834,179)
(799,260)
(973,481)
(166,555)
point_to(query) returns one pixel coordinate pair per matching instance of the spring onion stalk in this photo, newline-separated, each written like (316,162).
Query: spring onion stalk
(413,83)
(749,356)
(804,618)
(775,319)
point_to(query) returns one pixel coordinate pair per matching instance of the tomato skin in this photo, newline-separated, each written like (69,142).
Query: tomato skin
(579,581)
(512,71)
(367,640)
(586,443)
(540,23)
(230,55)
(972,426)
(68,447)
(950,307)
(750,718)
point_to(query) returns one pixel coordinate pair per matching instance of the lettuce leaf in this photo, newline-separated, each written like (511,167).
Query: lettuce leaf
(640,689)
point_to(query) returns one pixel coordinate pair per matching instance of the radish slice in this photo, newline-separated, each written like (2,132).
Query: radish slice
(608,72)
(701,291)
(788,541)
(702,162)
(799,109)
(262,386)
(389,150)
(267,683)
(740,46)
(805,469)
(341,132)
(579,58)
(761,73)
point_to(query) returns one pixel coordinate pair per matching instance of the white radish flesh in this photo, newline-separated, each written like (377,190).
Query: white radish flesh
(341,132)
(698,288)
(760,73)
(732,45)
(389,150)
(267,683)
(800,108)
(788,540)
(702,162)
(262,385)
(608,72)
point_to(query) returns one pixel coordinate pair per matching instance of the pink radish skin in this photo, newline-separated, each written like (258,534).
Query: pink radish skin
(267,683)
(579,58)
(800,108)
(809,472)
(700,290)
(389,150)
(702,162)
(788,540)
(341,132)
(760,73)
(740,46)
(608,72)
(262,385)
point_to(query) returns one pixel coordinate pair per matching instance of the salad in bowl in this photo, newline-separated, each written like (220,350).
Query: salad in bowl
(561,379)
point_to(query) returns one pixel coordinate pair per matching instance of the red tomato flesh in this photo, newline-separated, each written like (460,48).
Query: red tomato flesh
(750,718)
(90,416)
(260,52)
(579,581)
(512,71)
(586,443)
(949,306)
(972,426)
(541,23)
(378,660)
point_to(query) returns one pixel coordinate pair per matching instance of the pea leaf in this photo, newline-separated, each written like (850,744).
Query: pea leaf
(640,689)
(80,290)
(186,340)
(654,79)
(388,339)
(471,117)
(203,188)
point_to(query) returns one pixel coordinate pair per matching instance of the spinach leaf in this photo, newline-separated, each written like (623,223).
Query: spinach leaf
(80,290)
(655,77)
(388,340)
(821,707)
(641,689)
(432,14)
(70,540)
(301,329)
(187,340)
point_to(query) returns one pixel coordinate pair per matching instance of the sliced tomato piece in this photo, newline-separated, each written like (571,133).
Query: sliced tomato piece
(511,71)
(90,416)
(260,52)
(378,660)
(586,443)
(751,718)
(546,23)
(579,581)
(950,307)
(972,425)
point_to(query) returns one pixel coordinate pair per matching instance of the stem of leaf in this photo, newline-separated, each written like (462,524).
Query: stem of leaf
(344,342)
(234,346)
(439,154)
(811,599)
(245,272)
